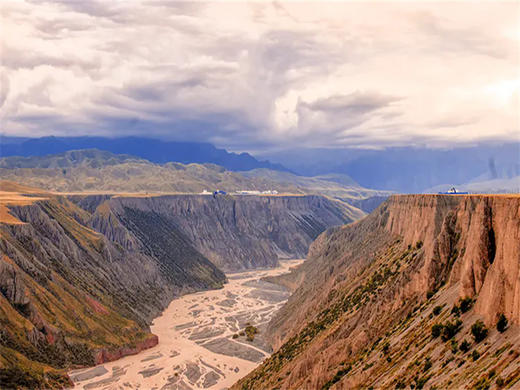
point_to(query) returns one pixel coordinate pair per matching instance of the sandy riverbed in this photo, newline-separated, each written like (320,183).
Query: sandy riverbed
(196,347)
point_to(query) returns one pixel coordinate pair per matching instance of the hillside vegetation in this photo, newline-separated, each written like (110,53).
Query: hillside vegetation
(423,293)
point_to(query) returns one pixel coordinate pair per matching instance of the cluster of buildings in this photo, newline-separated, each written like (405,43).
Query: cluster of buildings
(453,191)
(255,192)
(241,192)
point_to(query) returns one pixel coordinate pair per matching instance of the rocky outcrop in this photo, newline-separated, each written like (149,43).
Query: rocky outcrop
(234,232)
(105,355)
(471,241)
(371,293)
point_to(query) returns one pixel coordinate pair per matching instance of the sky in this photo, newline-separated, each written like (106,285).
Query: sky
(263,75)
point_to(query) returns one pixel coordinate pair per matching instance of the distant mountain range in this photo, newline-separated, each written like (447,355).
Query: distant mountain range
(488,168)
(150,149)
(101,171)
(407,169)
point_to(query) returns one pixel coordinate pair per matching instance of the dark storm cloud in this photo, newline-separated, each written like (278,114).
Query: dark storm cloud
(357,103)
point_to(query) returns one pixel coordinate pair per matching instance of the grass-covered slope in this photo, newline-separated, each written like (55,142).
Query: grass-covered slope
(101,171)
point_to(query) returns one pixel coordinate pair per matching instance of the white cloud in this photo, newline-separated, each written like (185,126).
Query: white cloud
(253,75)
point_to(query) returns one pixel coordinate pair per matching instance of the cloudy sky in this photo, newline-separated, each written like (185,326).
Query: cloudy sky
(263,75)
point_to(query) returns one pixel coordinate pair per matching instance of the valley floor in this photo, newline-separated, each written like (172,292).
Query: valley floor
(202,344)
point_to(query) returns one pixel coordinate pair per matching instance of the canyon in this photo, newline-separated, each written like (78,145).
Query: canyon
(422,293)
(203,336)
(83,275)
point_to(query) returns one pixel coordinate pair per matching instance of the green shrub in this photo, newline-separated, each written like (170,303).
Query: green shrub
(450,329)
(386,347)
(454,346)
(500,382)
(465,304)
(337,377)
(235,336)
(250,332)
(479,331)
(436,330)
(437,310)
(419,244)
(482,384)
(420,382)
(455,310)
(464,346)
(502,323)
(427,364)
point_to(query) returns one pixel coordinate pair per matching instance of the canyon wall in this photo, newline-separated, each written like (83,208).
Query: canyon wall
(234,232)
(371,294)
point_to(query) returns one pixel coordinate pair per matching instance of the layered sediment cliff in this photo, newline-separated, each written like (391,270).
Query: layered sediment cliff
(409,297)
(234,232)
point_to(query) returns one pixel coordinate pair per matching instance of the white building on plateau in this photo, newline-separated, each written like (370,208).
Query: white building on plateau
(248,192)
(255,192)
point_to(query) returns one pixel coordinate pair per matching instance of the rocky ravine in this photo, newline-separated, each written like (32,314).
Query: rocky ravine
(422,293)
(80,281)
(234,232)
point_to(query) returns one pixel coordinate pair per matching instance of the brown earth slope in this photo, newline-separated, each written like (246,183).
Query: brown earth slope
(408,297)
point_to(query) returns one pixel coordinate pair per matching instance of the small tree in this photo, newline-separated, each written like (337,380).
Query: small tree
(464,346)
(436,330)
(502,323)
(479,331)
(465,304)
(437,310)
(450,329)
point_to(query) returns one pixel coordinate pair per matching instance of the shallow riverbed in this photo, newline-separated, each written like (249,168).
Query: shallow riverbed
(197,348)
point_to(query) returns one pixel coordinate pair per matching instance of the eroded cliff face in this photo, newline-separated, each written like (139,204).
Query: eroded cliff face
(234,232)
(372,292)
(469,241)
(73,296)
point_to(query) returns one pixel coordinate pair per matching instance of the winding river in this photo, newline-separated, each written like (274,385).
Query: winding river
(201,339)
